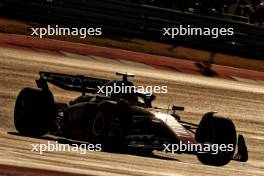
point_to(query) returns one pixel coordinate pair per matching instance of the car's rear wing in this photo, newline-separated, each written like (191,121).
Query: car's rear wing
(76,83)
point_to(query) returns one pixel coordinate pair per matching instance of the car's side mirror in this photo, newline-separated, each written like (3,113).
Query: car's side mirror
(174,109)
(177,108)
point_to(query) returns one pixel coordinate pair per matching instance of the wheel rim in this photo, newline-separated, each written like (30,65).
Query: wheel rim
(98,124)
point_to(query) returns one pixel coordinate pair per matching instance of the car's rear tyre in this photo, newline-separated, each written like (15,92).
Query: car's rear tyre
(216,130)
(35,112)
(107,126)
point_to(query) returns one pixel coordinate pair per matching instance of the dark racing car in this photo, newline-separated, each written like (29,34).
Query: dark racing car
(122,121)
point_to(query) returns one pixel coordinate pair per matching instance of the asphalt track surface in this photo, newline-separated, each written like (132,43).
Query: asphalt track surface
(241,101)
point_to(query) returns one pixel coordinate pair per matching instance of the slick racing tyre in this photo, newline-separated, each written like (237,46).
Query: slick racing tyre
(107,126)
(220,131)
(35,112)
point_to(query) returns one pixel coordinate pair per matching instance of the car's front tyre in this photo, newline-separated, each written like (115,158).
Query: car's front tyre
(218,131)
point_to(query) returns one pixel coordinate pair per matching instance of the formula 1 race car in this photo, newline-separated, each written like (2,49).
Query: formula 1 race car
(123,120)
